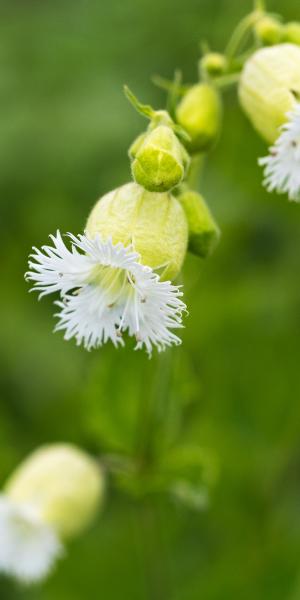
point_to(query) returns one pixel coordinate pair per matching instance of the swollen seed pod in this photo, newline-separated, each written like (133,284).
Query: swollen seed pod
(268,85)
(63,484)
(154,223)
(204,233)
(200,114)
(268,30)
(159,159)
(291,32)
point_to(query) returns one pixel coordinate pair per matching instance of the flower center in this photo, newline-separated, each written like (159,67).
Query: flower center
(115,283)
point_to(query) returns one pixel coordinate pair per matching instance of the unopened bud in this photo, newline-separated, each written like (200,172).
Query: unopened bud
(291,32)
(136,145)
(159,160)
(269,30)
(213,63)
(204,233)
(154,223)
(200,113)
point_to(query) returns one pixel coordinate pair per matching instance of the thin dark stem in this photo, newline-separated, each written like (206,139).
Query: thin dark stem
(150,545)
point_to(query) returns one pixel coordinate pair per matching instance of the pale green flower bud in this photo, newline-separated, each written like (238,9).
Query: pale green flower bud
(268,84)
(63,484)
(204,233)
(213,63)
(136,145)
(159,159)
(154,223)
(200,114)
(269,30)
(291,32)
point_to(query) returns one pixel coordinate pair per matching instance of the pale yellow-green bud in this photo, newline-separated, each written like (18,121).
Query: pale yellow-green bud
(159,159)
(213,63)
(269,30)
(200,114)
(291,32)
(268,84)
(64,484)
(136,145)
(154,223)
(204,233)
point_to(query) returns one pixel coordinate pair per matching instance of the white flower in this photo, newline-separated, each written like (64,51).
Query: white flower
(105,291)
(282,166)
(28,546)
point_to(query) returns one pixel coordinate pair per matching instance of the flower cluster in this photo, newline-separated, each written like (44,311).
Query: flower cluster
(115,280)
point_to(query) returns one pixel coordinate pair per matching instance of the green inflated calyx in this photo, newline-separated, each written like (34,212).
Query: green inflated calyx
(204,233)
(269,84)
(200,113)
(154,224)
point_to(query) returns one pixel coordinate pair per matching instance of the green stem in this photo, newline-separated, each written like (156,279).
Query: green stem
(143,109)
(153,409)
(150,546)
(238,36)
(196,167)
(174,94)
(168,86)
(260,5)
(225,81)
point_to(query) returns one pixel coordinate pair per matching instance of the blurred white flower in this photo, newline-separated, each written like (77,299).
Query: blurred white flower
(28,546)
(105,291)
(282,166)
(52,496)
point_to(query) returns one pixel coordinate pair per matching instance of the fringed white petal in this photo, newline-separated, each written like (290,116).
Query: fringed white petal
(28,547)
(106,291)
(282,166)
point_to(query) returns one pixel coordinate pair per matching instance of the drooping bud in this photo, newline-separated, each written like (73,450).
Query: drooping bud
(291,32)
(159,159)
(63,484)
(269,30)
(154,223)
(204,233)
(269,83)
(200,113)
(213,63)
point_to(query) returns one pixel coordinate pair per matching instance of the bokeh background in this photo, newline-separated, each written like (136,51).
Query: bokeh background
(232,388)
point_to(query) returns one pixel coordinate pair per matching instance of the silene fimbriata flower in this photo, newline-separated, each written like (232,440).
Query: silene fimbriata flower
(105,291)
(282,165)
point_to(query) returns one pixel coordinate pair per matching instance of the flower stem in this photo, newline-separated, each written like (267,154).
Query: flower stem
(195,170)
(239,34)
(227,80)
(152,550)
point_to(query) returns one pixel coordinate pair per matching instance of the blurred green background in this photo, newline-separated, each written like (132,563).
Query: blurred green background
(65,127)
